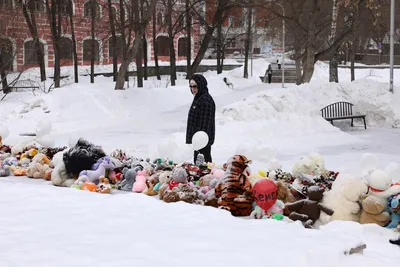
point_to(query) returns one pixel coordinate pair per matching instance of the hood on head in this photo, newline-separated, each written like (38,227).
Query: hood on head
(201,83)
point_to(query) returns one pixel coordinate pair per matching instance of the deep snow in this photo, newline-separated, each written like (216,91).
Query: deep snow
(42,225)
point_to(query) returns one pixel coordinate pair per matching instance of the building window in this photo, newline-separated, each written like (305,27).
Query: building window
(159,18)
(87,12)
(118,47)
(256,50)
(36,5)
(6,54)
(182,47)
(66,7)
(163,46)
(31,55)
(6,4)
(87,50)
(114,12)
(66,48)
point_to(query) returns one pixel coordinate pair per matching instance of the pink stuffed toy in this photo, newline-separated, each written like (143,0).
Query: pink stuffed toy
(217,173)
(140,184)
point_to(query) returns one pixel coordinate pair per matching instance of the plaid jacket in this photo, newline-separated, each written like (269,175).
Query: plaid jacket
(201,115)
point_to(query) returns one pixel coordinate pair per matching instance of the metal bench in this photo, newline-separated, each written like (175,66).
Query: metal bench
(341,111)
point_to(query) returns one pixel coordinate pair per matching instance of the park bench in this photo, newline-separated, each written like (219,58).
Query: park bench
(341,111)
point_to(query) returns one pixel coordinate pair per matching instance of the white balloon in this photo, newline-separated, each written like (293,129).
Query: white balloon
(43,128)
(369,162)
(4,132)
(166,148)
(199,140)
(45,141)
(393,169)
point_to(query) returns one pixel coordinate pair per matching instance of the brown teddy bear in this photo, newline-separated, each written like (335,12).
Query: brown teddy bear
(373,211)
(308,210)
(284,192)
(38,167)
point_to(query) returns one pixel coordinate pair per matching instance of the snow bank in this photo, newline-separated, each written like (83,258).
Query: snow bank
(74,225)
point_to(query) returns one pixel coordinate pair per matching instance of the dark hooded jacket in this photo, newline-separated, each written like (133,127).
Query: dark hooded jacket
(201,115)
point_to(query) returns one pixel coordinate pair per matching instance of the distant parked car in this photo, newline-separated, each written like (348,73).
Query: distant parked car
(211,55)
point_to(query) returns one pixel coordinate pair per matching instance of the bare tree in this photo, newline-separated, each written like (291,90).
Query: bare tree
(29,12)
(247,43)
(155,44)
(111,20)
(132,50)
(74,50)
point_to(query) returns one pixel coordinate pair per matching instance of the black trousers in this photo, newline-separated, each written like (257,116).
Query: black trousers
(269,78)
(206,152)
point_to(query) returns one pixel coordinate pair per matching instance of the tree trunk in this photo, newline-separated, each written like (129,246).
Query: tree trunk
(309,56)
(297,52)
(145,57)
(219,44)
(31,22)
(155,45)
(144,45)
(333,66)
(352,59)
(188,40)
(3,75)
(172,59)
(113,40)
(247,45)
(139,67)
(334,55)
(125,43)
(75,53)
(92,58)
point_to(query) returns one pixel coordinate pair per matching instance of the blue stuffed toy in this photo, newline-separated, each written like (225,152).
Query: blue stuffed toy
(394,208)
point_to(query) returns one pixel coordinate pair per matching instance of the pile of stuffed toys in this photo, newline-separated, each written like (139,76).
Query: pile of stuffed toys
(309,194)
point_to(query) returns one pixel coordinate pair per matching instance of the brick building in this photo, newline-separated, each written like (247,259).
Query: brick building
(18,47)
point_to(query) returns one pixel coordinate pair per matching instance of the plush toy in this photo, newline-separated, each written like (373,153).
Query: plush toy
(81,157)
(24,163)
(11,161)
(50,151)
(88,186)
(258,213)
(373,211)
(164,179)
(344,199)
(284,194)
(380,185)
(313,164)
(150,189)
(394,208)
(182,192)
(234,191)
(4,172)
(60,177)
(179,175)
(129,179)
(47,174)
(104,186)
(308,210)
(38,167)
(17,171)
(140,183)
(200,160)
(93,175)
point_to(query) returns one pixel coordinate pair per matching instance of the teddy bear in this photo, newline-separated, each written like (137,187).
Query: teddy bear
(284,193)
(150,189)
(182,192)
(313,164)
(164,179)
(344,199)
(4,172)
(308,210)
(60,177)
(373,211)
(380,185)
(234,191)
(179,176)
(129,179)
(394,208)
(38,167)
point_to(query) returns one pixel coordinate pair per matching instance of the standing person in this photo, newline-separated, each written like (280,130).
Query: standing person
(278,61)
(269,72)
(201,115)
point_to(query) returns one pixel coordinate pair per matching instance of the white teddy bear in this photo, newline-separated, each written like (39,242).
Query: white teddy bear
(344,199)
(313,163)
(380,186)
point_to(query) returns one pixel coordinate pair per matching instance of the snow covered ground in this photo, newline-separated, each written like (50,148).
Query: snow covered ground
(42,225)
